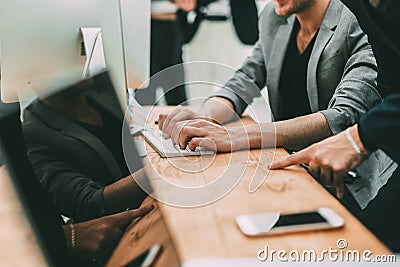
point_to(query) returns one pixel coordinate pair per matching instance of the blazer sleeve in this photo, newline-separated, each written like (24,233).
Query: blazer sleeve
(380,128)
(247,82)
(357,91)
(76,195)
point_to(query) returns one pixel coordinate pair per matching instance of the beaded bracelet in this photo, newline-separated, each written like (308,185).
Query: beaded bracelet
(73,236)
(354,144)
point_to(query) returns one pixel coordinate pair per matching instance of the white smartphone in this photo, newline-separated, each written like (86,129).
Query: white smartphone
(276,223)
(147,258)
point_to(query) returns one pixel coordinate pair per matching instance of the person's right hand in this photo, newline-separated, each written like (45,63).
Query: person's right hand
(186,5)
(97,238)
(167,122)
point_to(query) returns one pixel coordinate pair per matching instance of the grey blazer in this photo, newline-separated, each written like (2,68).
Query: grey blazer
(341,78)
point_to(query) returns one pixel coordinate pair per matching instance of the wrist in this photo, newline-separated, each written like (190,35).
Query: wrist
(207,118)
(355,140)
(67,235)
(238,137)
(70,236)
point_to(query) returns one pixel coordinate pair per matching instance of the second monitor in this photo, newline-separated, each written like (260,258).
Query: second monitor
(126,42)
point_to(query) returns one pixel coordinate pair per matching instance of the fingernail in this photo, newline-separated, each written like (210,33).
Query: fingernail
(149,207)
(271,166)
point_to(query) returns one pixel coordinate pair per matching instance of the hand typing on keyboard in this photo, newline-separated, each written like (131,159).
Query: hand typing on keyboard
(206,134)
(166,148)
(166,122)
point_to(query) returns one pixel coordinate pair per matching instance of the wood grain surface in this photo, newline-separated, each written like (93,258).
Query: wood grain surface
(210,230)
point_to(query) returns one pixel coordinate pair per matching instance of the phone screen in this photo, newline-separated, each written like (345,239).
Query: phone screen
(147,258)
(299,219)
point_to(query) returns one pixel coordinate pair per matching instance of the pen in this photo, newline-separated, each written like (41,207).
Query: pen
(349,177)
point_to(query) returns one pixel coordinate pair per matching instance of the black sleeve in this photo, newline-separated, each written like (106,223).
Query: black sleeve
(385,41)
(380,128)
(188,30)
(76,195)
(245,20)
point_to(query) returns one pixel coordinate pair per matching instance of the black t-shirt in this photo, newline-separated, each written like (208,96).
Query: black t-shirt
(110,134)
(293,98)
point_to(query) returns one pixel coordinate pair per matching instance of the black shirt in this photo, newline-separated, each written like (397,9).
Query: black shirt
(293,98)
(110,134)
(378,127)
(383,35)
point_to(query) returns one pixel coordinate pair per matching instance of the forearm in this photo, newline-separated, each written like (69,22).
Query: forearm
(301,132)
(219,109)
(124,193)
(295,133)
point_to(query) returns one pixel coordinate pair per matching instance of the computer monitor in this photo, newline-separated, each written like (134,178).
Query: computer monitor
(37,204)
(42,50)
(126,42)
(41,44)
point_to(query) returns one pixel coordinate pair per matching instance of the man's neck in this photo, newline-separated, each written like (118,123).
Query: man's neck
(311,19)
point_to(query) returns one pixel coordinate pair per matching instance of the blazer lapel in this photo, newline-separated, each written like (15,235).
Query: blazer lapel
(325,34)
(278,51)
(71,129)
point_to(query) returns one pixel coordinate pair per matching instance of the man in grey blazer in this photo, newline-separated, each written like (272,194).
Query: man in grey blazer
(320,73)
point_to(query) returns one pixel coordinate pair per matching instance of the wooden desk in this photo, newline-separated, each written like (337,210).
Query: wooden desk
(210,231)
(18,244)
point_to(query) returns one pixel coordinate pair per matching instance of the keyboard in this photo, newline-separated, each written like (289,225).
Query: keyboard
(166,149)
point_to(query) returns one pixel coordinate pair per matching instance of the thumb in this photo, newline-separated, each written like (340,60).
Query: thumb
(122,218)
(298,158)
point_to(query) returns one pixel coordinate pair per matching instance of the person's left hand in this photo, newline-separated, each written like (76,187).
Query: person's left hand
(186,5)
(97,238)
(328,160)
(206,134)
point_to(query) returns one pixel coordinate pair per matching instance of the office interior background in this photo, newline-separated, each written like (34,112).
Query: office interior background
(216,41)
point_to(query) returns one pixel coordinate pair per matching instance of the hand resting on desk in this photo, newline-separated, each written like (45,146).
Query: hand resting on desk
(97,238)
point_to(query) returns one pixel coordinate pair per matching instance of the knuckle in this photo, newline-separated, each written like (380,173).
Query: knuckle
(319,157)
(101,238)
(336,168)
(195,141)
(324,162)
(185,130)
(103,227)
